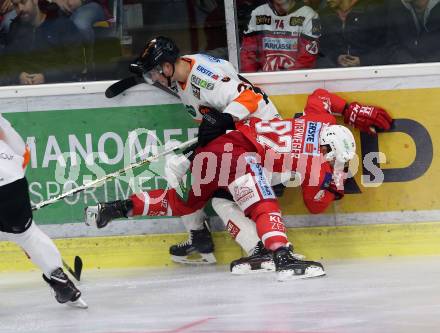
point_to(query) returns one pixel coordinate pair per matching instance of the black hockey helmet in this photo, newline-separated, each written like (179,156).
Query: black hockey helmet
(158,51)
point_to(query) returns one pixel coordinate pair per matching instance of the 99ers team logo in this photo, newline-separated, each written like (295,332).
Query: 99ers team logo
(278,61)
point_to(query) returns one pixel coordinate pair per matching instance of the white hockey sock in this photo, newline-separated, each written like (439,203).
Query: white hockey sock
(241,228)
(39,247)
(194,221)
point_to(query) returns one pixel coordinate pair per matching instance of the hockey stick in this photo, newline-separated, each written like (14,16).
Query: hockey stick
(78,265)
(119,87)
(112,175)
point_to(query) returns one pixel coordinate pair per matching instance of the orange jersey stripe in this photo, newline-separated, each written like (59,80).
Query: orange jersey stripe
(249,100)
(26,157)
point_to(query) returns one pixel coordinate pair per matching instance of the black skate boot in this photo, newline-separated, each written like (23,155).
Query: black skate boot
(290,268)
(259,261)
(65,290)
(104,212)
(199,243)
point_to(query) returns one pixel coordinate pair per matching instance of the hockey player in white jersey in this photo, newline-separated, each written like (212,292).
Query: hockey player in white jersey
(203,83)
(16,221)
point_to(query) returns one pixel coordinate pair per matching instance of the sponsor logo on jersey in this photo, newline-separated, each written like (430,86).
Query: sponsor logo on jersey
(312,47)
(311,142)
(242,194)
(195,91)
(261,180)
(207,72)
(278,61)
(226,79)
(263,19)
(204,109)
(5,156)
(316,27)
(190,109)
(232,229)
(211,58)
(279,44)
(297,21)
(202,83)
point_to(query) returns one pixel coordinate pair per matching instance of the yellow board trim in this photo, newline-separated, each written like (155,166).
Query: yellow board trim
(317,243)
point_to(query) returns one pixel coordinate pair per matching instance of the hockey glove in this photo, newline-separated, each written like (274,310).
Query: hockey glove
(367,118)
(213,125)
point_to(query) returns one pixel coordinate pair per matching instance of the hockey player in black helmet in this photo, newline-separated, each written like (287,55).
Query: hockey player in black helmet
(160,51)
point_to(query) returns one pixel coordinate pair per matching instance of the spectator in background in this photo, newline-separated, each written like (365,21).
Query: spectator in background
(84,14)
(42,47)
(281,35)
(413,31)
(7,14)
(352,33)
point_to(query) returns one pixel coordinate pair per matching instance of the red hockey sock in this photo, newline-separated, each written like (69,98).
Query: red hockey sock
(270,226)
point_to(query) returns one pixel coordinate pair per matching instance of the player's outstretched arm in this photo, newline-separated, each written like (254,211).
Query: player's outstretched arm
(367,118)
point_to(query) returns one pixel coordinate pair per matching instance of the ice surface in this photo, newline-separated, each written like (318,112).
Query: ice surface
(384,295)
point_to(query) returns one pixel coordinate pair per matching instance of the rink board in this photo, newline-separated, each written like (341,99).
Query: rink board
(79,119)
(317,243)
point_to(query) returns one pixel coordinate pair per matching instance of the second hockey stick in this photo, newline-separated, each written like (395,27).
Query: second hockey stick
(78,265)
(100,181)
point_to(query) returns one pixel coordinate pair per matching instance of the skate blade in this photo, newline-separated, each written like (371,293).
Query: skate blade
(245,269)
(311,272)
(200,259)
(79,304)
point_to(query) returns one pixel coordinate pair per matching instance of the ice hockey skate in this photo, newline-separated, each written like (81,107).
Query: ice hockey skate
(260,261)
(105,212)
(290,268)
(197,249)
(65,290)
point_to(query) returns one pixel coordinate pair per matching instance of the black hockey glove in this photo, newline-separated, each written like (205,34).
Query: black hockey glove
(213,125)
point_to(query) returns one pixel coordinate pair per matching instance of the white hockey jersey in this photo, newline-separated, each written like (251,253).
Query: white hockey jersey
(215,84)
(14,154)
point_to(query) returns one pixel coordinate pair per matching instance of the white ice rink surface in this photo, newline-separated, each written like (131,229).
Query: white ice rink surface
(385,295)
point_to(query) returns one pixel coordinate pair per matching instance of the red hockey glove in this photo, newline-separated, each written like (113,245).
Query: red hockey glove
(367,118)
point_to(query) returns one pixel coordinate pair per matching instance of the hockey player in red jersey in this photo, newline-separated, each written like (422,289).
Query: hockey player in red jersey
(16,221)
(245,161)
(281,35)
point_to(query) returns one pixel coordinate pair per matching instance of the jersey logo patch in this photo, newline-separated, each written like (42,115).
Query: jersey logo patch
(263,19)
(232,229)
(278,61)
(279,44)
(261,181)
(195,91)
(312,47)
(202,83)
(207,72)
(311,142)
(297,21)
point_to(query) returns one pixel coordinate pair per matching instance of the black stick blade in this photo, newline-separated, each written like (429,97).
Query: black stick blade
(119,87)
(78,266)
